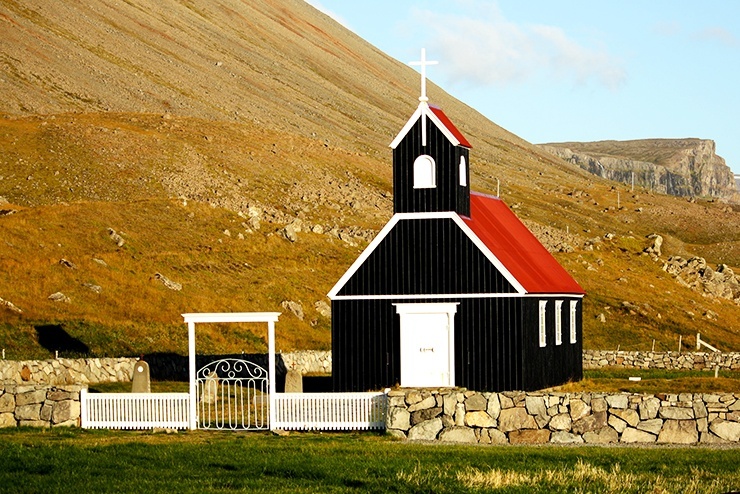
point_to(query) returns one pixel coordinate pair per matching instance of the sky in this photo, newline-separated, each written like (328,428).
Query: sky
(573,70)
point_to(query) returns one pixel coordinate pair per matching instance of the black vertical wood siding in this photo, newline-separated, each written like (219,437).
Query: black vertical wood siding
(448,195)
(496,345)
(553,364)
(426,257)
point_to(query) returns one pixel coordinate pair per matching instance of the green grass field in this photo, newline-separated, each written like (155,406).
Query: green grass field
(74,460)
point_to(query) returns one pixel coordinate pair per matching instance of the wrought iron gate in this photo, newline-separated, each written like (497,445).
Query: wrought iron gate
(233,395)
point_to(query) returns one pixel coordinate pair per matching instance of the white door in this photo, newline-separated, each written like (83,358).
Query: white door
(427,344)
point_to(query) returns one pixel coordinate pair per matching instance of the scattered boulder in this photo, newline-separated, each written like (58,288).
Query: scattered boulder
(93,288)
(59,297)
(116,237)
(654,250)
(172,285)
(322,308)
(9,305)
(291,231)
(67,264)
(295,307)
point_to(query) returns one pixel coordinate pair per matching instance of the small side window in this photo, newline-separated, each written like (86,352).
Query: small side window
(558,322)
(463,172)
(425,173)
(573,321)
(543,323)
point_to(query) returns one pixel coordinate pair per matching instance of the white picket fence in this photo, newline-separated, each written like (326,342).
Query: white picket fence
(134,410)
(293,411)
(330,411)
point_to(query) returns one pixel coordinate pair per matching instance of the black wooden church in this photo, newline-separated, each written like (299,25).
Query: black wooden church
(454,290)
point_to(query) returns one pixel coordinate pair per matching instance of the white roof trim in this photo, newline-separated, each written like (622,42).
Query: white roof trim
(415,216)
(459,296)
(423,109)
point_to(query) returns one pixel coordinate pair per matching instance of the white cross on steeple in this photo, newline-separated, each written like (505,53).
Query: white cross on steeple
(423,63)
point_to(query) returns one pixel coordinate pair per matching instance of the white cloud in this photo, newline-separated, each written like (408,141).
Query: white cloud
(490,50)
(718,34)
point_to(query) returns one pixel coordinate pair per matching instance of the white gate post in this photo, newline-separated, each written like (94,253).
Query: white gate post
(84,409)
(271,370)
(192,402)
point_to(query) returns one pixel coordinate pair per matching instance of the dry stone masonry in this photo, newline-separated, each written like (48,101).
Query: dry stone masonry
(308,361)
(596,359)
(462,416)
(97,370)
(39,406)
(67,371)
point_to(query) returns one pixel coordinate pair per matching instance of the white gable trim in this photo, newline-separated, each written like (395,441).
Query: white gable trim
(455,296)
(423,111)
(414,216)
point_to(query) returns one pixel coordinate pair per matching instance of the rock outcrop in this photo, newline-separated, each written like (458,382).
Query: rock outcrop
(680,167)
(696,274)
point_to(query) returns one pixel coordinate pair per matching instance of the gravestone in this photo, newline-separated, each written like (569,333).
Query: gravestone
(210,388)
(140,381)
(293,382)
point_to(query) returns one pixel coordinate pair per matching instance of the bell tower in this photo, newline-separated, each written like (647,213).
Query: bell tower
(431,171)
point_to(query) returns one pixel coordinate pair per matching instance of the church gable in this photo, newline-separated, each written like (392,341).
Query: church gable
(444,260)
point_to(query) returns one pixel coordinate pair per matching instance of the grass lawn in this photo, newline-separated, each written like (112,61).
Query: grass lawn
(74,460)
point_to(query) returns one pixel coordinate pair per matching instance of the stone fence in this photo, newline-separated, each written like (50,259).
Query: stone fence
(39,405)
(308,361)
(174,367)
(101,370)
(596,359)
(458,415)
(65,371)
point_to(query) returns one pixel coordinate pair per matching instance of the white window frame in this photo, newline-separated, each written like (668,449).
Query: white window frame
(573,327)
(463,172)
(425,172)
(558,322)
(543,323)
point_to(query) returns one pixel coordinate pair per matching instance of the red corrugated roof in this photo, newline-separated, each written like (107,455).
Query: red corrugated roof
(517,248)
(450,126)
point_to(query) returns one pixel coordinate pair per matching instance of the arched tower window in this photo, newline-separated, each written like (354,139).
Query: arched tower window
(425,173)
(463,172)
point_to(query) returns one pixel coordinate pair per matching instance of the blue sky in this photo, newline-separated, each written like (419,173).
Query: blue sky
(573,70)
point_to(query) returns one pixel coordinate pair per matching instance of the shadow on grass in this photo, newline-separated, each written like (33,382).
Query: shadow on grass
(54,338)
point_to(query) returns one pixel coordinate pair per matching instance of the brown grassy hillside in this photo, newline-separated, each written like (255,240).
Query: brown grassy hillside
(198,130)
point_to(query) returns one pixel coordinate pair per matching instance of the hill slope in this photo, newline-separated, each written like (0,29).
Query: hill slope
(239,151)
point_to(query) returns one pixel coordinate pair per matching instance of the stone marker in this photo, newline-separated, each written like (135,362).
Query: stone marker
(210,388)
(293,382)
(140,382)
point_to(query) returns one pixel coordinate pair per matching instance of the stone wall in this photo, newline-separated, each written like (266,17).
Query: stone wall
(39,405)
(67,371)
(458,415)
(97,370)
(102,370)
(596,359)
(308,361)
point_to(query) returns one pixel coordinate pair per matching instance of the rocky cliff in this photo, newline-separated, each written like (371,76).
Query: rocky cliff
(680,167)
